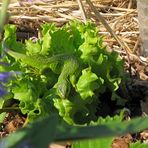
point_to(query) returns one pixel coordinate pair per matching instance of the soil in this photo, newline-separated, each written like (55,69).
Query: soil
(11,123)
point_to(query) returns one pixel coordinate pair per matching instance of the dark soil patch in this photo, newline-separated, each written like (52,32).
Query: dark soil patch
(11,123)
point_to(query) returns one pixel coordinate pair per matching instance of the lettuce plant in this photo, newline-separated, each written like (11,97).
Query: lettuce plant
(99,71)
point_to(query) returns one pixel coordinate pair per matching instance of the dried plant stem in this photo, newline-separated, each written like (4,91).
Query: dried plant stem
(115,8)
(136,45)
(130,4)
(82,10)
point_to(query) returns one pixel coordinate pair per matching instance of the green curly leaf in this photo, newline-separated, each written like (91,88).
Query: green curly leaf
(88,82)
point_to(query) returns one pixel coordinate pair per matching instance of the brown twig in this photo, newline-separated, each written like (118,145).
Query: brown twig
(136,45)
(82,10)
(130,4)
